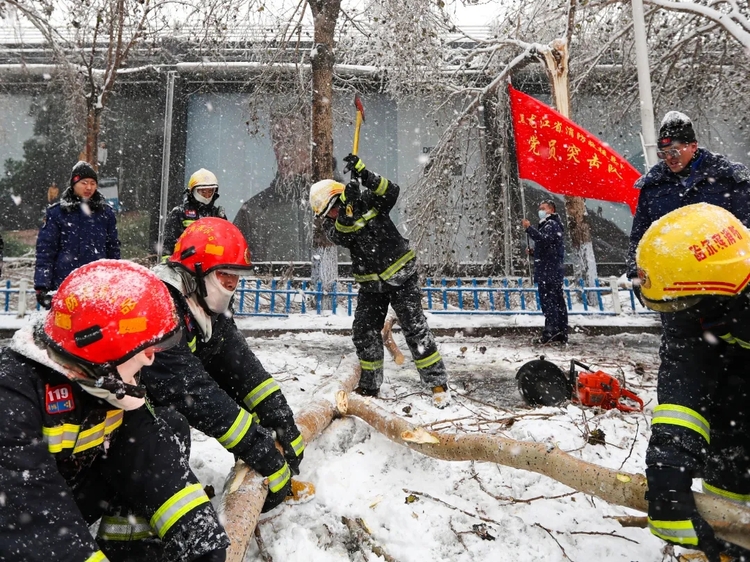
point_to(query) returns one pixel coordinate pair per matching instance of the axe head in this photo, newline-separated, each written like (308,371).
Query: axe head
(359,106)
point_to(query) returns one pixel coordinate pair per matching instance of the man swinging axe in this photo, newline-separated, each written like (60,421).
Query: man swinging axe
(385,268)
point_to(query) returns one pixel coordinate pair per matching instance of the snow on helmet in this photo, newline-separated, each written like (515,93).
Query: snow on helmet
(107,311)
(694,251)
(211,243)
(542,383)
(323,195)
(202,178)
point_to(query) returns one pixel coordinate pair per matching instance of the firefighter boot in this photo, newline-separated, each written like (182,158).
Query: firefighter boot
(441,396)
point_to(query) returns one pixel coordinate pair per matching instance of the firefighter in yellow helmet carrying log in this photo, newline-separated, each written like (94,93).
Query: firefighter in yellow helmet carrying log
(694,268)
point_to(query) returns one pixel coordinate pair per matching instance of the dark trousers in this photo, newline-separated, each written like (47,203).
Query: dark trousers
(552,301)
(145,465)
(369,318)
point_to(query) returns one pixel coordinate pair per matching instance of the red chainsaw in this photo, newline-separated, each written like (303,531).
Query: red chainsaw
(542,383)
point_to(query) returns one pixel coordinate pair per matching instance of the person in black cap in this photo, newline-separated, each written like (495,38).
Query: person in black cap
(78,229)
(686,174)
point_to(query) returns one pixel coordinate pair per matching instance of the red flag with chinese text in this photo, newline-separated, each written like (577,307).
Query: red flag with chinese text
(566,159)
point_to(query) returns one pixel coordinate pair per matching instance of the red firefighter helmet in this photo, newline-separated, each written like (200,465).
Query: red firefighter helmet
(211,243)
(107,311)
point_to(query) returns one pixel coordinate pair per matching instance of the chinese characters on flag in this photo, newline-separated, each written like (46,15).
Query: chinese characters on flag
(564,158)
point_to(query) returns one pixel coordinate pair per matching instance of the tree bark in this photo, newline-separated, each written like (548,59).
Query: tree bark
(325,13)
(245,490)
(619,488)
(584,261)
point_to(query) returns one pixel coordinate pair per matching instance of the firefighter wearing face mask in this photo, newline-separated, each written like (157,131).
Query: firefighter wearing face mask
(198,202)
(693,267)
(75,434)
(212,377)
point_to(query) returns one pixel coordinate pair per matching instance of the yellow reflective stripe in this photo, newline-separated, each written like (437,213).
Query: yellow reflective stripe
(398,264)
(278,479)
(680,532)
(192,344)
(729,338)
(187,222)
(60,437)
(237,431)
(674,414)
(382,186)
(726,494)
(370,365)
(427,361)
(359,166)
(365,278)
(98,556)
(298,445)
(260,393)
(95,436)
(132,528)
(256,417)
(175,507)
(358,224)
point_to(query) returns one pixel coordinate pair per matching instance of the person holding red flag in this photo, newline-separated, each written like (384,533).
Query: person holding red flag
(549,251)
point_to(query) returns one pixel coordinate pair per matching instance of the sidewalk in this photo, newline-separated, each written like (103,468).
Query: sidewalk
(478,325)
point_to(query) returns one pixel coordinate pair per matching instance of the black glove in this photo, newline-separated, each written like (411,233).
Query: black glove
(273,467)
(291,441)
(672,514)
(351,192)
(636,284)
(43,297)
(353,165)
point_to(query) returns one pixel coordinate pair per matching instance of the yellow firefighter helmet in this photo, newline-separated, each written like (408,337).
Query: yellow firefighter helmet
(692,252)
(323,195)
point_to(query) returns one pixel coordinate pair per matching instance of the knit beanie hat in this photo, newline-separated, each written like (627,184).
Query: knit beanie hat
(675,127)
(81,171)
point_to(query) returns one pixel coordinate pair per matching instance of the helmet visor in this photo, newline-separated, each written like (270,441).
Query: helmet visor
(672,305)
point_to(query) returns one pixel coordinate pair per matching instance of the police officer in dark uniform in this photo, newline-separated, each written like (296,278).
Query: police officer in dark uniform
(212,377)
(198,202)
(75,434)
(385,268)
(693,267)
(549,252)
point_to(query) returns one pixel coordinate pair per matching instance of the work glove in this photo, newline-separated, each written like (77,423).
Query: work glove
(291,441)
(43,297)
(274,467)
(672,514)
(354,165)
(351,192)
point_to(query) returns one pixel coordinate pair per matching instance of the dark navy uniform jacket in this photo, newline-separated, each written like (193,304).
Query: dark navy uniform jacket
(549,249)
(713,179)
(72,236)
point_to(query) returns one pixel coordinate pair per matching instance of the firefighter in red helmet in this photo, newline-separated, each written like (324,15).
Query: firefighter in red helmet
(76,435)
(212,377)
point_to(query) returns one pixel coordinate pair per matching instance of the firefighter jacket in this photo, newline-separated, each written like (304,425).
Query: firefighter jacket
(222,389)
(549,249)
(702,422)
(55,475)
(380,255)
(186,214)
(712,179)
(72,236)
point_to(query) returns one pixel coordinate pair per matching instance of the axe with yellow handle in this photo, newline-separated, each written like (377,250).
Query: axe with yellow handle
(358,122)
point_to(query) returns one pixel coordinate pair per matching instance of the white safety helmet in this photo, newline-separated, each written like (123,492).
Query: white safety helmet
(323,195)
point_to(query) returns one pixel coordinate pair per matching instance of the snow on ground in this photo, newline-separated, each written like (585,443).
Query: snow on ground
(419,508)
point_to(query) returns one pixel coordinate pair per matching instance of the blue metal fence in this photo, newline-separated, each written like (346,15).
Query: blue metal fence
(274,297)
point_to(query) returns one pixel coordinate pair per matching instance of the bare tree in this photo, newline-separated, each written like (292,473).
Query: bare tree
(91,43)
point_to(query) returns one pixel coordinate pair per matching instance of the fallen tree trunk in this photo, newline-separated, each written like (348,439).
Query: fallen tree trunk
(245,490)
(612,486)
